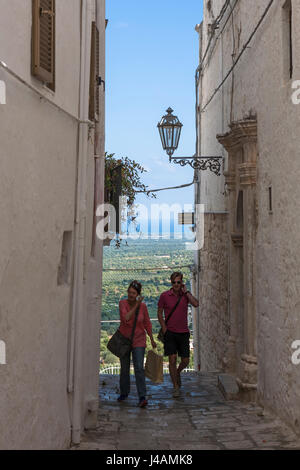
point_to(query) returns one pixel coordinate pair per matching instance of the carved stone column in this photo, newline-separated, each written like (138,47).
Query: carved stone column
(230,361)
(247,174)
(241,145)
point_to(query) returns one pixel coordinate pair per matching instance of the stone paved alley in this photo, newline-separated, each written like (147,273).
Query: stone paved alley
(200,419)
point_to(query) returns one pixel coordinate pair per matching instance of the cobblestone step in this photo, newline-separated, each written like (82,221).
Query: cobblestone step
(201,419)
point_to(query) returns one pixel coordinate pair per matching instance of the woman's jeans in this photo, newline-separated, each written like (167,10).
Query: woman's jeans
(138,363)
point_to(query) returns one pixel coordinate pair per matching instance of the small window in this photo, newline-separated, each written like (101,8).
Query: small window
(288,39)
(43,41)
(64,268)
(94,109)
(270,200)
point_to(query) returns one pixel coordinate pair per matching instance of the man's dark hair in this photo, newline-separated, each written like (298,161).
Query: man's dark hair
(136,285)
(176,274)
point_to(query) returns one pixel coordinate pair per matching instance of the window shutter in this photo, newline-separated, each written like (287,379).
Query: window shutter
(43,40)
(94,73)
(97,73)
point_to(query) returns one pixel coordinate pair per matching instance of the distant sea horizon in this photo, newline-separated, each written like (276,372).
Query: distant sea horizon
(158,228)
(160,236)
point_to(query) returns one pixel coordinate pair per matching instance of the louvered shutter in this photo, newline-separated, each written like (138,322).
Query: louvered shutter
(97,73)
(43,40)
(94,73)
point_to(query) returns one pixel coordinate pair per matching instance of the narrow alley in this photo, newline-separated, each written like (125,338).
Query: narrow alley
(149,200)
(201,419)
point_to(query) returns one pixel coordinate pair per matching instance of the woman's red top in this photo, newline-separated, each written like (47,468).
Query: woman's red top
(143,323)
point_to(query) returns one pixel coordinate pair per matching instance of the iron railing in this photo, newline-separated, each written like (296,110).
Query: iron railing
(114,369)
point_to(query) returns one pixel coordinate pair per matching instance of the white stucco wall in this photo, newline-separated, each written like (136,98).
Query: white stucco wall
(38,171)
(261,87)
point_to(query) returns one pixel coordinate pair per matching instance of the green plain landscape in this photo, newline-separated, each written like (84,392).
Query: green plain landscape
(149,261)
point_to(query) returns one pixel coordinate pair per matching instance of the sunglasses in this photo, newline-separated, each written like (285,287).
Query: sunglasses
(176,282)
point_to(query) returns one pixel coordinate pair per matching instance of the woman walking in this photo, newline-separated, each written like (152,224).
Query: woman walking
(128,309)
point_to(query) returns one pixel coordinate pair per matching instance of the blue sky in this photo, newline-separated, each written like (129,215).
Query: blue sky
(151,58)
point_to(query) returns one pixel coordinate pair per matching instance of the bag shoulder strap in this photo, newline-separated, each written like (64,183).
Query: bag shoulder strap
(134,325)
(173,310)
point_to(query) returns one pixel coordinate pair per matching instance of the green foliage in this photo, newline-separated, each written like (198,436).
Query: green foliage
(131,180)
(141,254)
(131,262)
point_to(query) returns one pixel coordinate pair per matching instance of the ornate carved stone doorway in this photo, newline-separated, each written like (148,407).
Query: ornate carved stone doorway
(241,358)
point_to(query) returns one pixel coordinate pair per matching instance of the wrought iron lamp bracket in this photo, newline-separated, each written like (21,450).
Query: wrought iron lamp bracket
(200,163)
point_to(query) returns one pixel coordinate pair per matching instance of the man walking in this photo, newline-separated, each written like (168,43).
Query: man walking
(174,303)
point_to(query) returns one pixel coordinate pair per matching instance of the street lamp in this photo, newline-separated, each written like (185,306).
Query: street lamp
(169,130)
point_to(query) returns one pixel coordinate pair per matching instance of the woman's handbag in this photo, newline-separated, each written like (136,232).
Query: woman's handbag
(118,344)
(161,336)
(154,367)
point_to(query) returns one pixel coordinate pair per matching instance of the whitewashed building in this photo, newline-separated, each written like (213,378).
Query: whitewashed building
(248,273)
(51,181)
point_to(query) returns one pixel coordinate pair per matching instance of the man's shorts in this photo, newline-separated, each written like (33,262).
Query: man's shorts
(177,343)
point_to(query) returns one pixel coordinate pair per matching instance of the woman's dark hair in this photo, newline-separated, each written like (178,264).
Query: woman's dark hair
(176,274)
(136,285)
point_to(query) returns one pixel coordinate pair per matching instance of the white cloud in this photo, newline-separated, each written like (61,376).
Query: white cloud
(165,164)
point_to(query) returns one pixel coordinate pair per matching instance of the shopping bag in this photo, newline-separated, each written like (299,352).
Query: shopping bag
(154,367)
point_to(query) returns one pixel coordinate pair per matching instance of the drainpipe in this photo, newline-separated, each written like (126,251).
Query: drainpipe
(77,339)
(94,294)
(198,84)
(193,278)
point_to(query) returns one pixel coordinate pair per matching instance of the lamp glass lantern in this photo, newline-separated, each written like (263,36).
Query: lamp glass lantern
(169,130)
